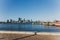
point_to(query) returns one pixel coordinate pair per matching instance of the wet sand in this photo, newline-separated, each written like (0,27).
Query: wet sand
(18,36)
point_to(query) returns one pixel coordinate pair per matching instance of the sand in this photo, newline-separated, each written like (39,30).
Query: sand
(20,36)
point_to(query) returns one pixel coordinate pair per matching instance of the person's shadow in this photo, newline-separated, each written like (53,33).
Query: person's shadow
(25,37)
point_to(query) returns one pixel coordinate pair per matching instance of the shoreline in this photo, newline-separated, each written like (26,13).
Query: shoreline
(27,32)
(23,35)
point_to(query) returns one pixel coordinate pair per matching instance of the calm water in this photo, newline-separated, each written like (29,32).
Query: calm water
(29,27)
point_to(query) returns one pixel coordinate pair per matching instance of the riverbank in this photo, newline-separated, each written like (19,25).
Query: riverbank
(29,32)
(15,35)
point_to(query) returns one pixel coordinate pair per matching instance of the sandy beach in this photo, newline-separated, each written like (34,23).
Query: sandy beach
(8,35)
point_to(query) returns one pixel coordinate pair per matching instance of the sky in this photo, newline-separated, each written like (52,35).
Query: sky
(46,10)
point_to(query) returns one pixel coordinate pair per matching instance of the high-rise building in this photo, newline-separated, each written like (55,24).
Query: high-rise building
(19,19)
(11,20)
(7,21)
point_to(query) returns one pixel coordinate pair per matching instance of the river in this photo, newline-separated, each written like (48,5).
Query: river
(28,27)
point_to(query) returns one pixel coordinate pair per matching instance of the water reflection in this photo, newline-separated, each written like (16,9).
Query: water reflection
(29,27)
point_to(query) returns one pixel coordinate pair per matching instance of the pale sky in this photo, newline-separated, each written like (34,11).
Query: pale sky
(30,9)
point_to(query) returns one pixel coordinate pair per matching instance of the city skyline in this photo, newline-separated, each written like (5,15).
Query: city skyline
(30,9)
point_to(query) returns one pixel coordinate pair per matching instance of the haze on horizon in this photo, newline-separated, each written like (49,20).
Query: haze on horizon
(30,9)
